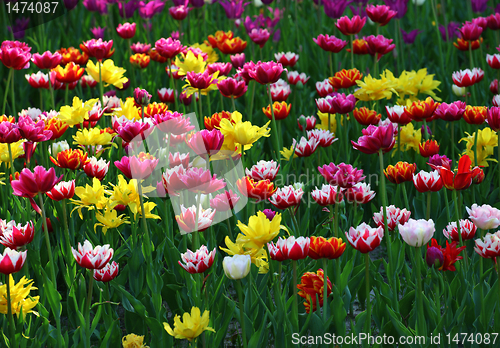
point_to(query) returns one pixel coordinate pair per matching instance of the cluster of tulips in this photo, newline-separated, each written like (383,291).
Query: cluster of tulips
(168,190)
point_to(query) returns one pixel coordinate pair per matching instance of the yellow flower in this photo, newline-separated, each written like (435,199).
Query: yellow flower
(110,219)
(92,137)
(242,133)
(1,179)
(111,74)
(133,341)
(260,230)
(323,117)
(212,55)
(212,87)
(91,197)
(126,193)
(190,63)
(287,153)
(257,255)
(487,140)
(18,297)
(191,326)
(77,113)
(410,138)
(148,207)
(128,109)
(17,150)
(374,89)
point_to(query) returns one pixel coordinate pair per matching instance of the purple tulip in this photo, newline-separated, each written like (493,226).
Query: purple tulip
(479,6)
(98,32)
(335,8)
(233,8)
(400,6)
(409,38)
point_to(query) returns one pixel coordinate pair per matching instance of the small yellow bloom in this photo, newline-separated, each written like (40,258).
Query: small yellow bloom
(133,341)
(487,140)
(17,150)
(110,219)
(323,117)
(242,133)
(148,207)
(92,137)
(375,89)
(18,296)
(191,326)
(410,137)
(126,193)
(257,255)
(128,109)
(286,153)
(111,74)
(77,113)
(260,230)
(190,63)
(91,197)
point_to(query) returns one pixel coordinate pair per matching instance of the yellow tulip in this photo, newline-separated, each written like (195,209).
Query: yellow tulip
(133,341)
(242,133)
(110,219)
(487,140)
(111,74)
(78,112)
(191,326)
(19,296)
(92,137)
(91,197)
(260,230)
(17,150)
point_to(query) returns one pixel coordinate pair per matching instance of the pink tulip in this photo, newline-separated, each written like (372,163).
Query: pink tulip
(14,235)
(201,181)
(224,201)
(376,138)
(206,142)
(187,219)
(92,258)
(47,60)
(263,170)
(31,183)
(395,217)
(173,123)
(417,232)
(485,216)
(199,261)
(9,132)
(266,72)
(365,238)
(343,175)
(168,48)
(126,30)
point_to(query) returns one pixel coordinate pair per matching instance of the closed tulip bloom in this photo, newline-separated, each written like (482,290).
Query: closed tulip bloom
(200,180)
(323,88)
(237,266)
(376,138)
(360,193)
(417,232)
(330,43)
(168,48)
(305,147)
(494,21)
(343,104)
(395,217)
(237,60)
(179,12)
(266,72)
(30,183)
(205,142)
(470,31)
(467,77)
(398,114)
(142,97)
(492,117)
(350,26)
(95,168)
(366,117)
(294,78)
(281,110)
(328,195)
(63,190)
(379,45)
(309,121)
(14,235)
(365,238)
(47,60)
(167,95)
(280,91)
(477,175)
(126,30)
(276,250)
(286,197)
(380,14)
(15,55)
(493,60)
(484,216)
(199,261)
(259,36)
(489,246)
(475,114)
(428,148)
(287,59)
(401,172)
(123,166)
(449,255)
(494,86)
(434,256)
(9,132)
(11,261)
(187,219)
(296,248)
(325,105)
(421,110)
(450,112)
(107,273)
(223,68)
(324,137)
(467,230)
(224,201)
(345,78)
(427,181)
(263,170)
(38,80)
(232,88)
(322,248)
(459,180)
(98,48)
(259,190)
(92,258)
(142,165)
(70,159)
(343,175)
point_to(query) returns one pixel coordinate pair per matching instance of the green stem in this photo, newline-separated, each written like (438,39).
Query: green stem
(336,219)
(12,327)
(325,290)
(6,91)
(147,239)
(274,127)
(52,269)
(11,161)
(457,217)
(295,303)
(252,100)
(242,313)
(196,236)
(405,196)
(498,154)
(66,231)
(475,147)
(352,50)
(12,96)
(438,38)
(200,107)
(453,144)
(232,101)
(88,306)
(420,310)
(399,142)
(428,211)
(331,64)
(368,326)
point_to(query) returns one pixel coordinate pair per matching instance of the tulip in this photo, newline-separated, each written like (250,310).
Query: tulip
(366,117)
(343,175)
(11,261)
(168,48)
(365,238)
(141,166)
(232,88)
(199,261)
(63,190)
(323,136)
(427,181)
(98,48)
(263,170)
(351,26)
(312,286)
(194,220)
(439,160)
(9,132)
(485,216)
(237,60)
(467,77)
(434,256)
(395,217)
(70,159)
(287,59)
(142,97)
(172,123)
(401,172)
(193,324)
(477,175)
(376,139)
(380,14)
(309,122)
(280,110)
(417,232)
(126,30)
(494,86)
(409,38)
(459,180)
(280,91)
(398,115)
(259,190)
(305,147)
(450,112)
(489,246)
(328,195)
(428,148)
(325,105)
(330,43)
(493,61)
(15,55)
(259,36)
(33,131)
(276,251)
(47,60)
(343,104)
(14,235)
(224,201)
(107,273)
(200,180)
(31,183)
(322,248)
(470,31)
(237,266)
(206,143)
(467,230)
(270,214)
(295,248)
(496,100)
(286,197)
(92,258)
(379,45)
(323,88)
(96,168)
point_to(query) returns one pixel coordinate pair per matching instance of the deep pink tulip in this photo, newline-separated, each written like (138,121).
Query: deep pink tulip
(350,26)
(124,166)
(494,21)
(200,180)
(450,112)
(259,36)
(493,118)
(232,88)
(470,31)
(330,43)
(266,72)
(223,68)
(142,97)
(379,45)
(200,80)
(29,183)
(380,14)
(126,30)
(9,132)
(140,48)
(107,273)
(168,48)
(376,138)
(15,55)
(142,165)
(11,261)
(130,130)
(343,175)
(224,201)
(47,60)
(206,142)
(343,104)
(237,60)
(98,49)
(172,122)
(179,12)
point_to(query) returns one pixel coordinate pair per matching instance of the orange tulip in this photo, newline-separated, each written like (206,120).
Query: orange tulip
(74,55)
(322,248)
(428,148)
(140,60)
(281,110)
(259,190)
(422,109)
(70,159)
(153,109)
(366,117)
(70,73)
(475,114)
(312,285)
(345,78)
(56,126)
(401,172)
(360,47)
(213,121)
(463,45)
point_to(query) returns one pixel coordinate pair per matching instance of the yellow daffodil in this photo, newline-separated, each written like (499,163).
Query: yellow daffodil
(410,137)
(91,197)
(190,63)
(286,153)
(371,89)
(17,150)
(77,113)
(111,74)
(92,137)
(412,83)
(110,219)
(242,133)
(191,326)
(487,140)
(212,55)
(128,109)
(260,230)
(323,117)
(133,341)
(18,296)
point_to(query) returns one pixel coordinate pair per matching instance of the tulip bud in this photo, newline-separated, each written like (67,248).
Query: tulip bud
(423,131)
(458,91)
(57,147)
(142,97)
(303,121)
(434,257)
(237,266)
(269,214)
